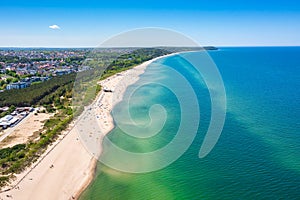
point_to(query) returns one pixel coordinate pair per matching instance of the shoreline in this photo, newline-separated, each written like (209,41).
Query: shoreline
(136,72)
(67,167)
(92,170)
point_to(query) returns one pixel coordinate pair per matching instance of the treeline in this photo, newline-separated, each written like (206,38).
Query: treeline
(44,92)
(105,65)
(82,91)
(13,59)
(136,57)
(35,93)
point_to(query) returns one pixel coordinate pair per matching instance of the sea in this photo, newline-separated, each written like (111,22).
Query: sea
(256,155)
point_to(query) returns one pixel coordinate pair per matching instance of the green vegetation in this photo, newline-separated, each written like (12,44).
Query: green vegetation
(16,59)
(56,96)
(12,59)
(105,65)
(35,93)
(7,78)
(12,73)
(127,61)
(17,158)
(10,110)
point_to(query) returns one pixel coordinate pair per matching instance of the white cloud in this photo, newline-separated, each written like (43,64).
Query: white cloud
(54,26)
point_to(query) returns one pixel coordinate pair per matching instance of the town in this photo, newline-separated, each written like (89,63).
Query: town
(19,68)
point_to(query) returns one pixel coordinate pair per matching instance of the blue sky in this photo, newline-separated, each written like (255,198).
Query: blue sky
(88,23)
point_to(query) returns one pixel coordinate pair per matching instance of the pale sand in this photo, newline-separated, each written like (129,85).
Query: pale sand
(31,125)
(73,166)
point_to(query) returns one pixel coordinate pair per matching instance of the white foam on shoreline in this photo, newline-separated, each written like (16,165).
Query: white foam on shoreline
(73,163)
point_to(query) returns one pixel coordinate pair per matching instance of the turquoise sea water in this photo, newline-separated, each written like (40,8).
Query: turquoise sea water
(258,153)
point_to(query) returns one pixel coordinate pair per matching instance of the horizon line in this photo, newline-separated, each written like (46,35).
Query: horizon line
(90,47)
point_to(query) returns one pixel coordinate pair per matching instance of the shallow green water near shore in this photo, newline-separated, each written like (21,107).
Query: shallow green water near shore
(258,153)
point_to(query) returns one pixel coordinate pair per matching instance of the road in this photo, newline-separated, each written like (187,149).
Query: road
(10,130)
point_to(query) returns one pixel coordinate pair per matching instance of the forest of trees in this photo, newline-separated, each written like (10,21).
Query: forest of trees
(39,94)
(15,159)
(35,93)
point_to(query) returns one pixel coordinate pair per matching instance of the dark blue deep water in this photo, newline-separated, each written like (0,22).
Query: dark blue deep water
(258,153)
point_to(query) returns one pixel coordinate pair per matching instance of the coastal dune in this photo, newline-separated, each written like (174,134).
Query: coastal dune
(68,166)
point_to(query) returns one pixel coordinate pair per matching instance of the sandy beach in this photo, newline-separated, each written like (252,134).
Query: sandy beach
(68,165)
(28,127)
